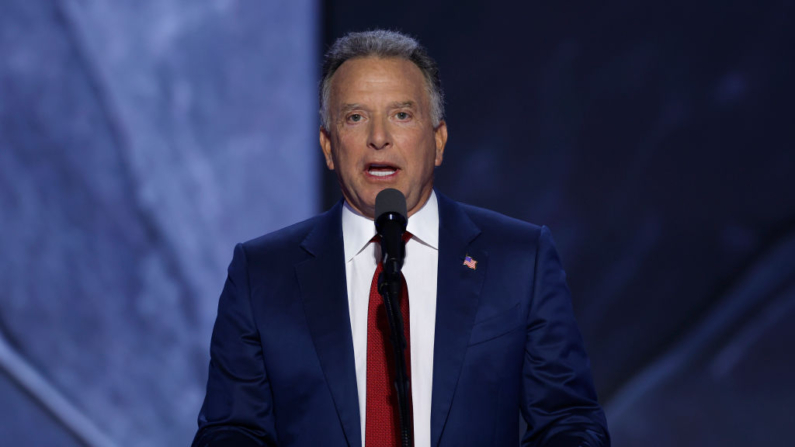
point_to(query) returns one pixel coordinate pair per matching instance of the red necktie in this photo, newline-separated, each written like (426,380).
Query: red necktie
(382,423)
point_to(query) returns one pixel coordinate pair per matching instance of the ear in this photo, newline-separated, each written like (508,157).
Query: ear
(325,146)
(440,134)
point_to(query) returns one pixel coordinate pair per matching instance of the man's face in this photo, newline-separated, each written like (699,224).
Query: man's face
(381,132)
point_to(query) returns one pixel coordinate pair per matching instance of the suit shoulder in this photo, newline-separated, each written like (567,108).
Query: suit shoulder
(494,222)
(280,243)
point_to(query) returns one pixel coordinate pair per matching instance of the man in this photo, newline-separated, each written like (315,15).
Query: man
(490,324)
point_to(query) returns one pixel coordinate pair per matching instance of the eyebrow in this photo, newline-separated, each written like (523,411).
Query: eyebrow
(349,107)
(394,105)
(400,105)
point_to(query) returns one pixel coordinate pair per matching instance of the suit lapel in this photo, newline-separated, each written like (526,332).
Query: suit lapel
(325,300)
(457,297)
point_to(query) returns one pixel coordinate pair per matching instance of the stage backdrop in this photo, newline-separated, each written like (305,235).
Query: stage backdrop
(139,141)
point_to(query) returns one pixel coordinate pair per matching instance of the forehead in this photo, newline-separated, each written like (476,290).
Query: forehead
(389,79)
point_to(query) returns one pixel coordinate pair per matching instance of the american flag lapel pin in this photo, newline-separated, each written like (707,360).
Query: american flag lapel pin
(471,263)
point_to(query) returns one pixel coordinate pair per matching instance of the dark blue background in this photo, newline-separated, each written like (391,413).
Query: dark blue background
(140,140)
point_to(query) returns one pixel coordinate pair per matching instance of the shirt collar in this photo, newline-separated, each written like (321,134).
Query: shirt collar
(358,230)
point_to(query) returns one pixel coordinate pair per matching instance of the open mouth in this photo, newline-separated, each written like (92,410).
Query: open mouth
(381,170)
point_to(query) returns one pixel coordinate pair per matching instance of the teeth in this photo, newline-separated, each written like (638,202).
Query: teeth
(381,173)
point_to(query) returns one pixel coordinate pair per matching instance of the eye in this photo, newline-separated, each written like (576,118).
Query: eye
(355,118)
(402,116)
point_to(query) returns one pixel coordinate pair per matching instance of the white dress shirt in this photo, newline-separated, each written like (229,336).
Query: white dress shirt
(419,269)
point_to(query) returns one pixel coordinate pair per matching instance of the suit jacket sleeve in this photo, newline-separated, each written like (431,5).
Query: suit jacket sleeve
(558,399)
(238,407)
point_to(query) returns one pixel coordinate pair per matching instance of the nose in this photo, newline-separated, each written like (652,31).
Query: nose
(379,137)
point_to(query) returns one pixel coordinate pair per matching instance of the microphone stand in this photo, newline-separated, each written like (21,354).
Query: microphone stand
(389,286)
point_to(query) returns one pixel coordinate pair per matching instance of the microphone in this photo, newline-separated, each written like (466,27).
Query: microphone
(390,222)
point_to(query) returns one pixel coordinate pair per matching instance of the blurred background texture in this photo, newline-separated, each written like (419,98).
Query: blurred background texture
(141,139)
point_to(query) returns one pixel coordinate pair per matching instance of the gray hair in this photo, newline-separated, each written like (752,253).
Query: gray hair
(381,44)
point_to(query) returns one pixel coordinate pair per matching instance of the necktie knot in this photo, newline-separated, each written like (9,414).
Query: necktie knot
(406,236)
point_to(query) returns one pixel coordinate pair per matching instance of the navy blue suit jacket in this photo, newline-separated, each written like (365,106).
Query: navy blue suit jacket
(282,365)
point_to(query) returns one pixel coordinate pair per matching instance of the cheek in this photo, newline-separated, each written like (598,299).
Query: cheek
(343,152)
(418,146)
(426,153)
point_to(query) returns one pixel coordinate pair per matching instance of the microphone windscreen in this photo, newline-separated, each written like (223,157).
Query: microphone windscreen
(390,201)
